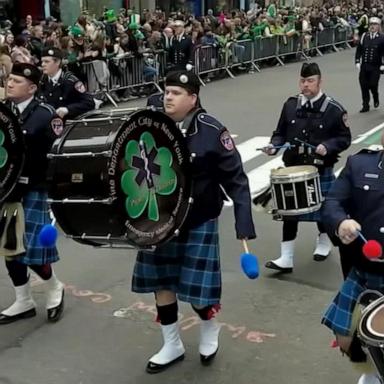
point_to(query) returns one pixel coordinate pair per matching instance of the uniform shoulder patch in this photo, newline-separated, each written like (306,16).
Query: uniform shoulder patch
(210,121)
(57,126)
(227,141)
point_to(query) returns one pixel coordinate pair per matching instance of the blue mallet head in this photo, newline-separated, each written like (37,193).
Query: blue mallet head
(250,265)
(48,236)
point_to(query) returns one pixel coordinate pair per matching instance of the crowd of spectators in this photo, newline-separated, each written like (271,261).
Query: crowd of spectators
(126,33)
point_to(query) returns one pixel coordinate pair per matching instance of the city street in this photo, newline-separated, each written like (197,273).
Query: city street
(271,331)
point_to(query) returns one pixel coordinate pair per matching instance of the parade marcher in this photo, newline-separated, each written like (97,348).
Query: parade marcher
(369,59)
(354,204)
(188,267)
(315,119)
(62,90)
(41,126)
(181,49)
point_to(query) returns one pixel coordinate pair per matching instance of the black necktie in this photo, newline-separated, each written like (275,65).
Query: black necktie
(307,105)
(15,110)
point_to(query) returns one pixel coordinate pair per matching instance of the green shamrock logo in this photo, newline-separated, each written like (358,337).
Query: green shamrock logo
(148,174)
(3,151)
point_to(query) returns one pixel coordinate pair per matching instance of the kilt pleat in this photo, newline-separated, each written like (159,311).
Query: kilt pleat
(188,266)
(338,316)
(36,212)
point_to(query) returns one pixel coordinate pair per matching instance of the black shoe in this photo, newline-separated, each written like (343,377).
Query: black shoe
(207,360)
(153,368)
(54,314)
(376,104)
(317,257)
(364,109)
(272,265)
(4,319)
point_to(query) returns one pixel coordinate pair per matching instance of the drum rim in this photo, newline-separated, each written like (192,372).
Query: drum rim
(363,323)
(302,169)
(17,126)
(288,179)
(297,212)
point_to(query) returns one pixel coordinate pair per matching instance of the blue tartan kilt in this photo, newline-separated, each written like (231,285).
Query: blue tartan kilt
(188,266)
(326,180)
(36,212)
(338,316)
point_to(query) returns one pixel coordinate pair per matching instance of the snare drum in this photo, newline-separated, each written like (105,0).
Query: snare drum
(296,190)
(120,179)
(371,333)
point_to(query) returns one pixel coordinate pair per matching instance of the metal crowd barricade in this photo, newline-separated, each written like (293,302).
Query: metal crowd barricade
(265,48)
(342,36)
(98,75)
(241,52)
(162,60)
(209,59)
(290,45)
(131,73)
(136,71)
(324,39)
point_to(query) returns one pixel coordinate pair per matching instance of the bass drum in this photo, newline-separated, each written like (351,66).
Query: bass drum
(121,179)
(12,151)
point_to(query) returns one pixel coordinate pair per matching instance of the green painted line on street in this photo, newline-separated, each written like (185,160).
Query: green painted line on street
(375,138)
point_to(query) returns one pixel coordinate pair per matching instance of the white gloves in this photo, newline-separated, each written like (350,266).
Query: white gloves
(382,68)
(270,150)
(358,65)
(62,111)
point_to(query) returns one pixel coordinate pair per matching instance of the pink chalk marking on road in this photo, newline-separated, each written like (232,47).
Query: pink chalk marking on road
(189,322)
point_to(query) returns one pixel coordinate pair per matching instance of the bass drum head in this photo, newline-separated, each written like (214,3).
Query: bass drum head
(12,151)
(149,178)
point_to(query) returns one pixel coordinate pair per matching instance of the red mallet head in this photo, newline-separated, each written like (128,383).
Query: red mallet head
(372,249)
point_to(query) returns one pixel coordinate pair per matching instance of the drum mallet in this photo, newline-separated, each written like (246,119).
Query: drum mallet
(249,262)
(305,143)
(277,147)
(372,249)
(48,234)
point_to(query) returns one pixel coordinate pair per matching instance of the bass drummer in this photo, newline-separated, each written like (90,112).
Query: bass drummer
(25,211)
(352,206)
(188,267)
(316,128)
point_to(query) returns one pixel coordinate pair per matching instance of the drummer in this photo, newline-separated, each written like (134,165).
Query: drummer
(316,127)
(62,89)
(188,267)
(354,204)
(41,126)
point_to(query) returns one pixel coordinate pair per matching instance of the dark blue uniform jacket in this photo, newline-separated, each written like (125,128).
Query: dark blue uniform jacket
(358,193)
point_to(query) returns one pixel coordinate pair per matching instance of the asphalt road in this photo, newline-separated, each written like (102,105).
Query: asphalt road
(271,330)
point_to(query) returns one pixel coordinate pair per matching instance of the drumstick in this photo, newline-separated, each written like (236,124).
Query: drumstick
(305,143)
(245,245)
(277,147)
(362,237)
